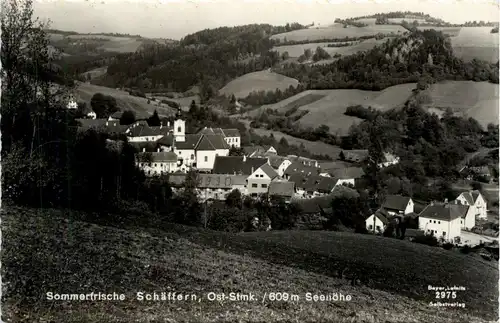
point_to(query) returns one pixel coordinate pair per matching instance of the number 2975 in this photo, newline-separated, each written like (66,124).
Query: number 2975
(446,295)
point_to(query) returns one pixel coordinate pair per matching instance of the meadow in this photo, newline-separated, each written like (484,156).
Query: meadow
(266,80)
(314,147)
(49,252)
(476,42)
(125,101)
(106,43)
(96,73)
(297,50)
(478,100)
(338,31)
(451,31)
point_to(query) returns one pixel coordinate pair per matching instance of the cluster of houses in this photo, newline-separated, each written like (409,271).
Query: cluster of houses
(445,220)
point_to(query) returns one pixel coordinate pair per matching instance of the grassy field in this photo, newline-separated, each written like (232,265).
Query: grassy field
(297,50)
(337,31)
(48,253)
(476,42)
(451,31)
(257,81)
(112,43)
(96,73)
(315,147)
(125,101)
(478,100)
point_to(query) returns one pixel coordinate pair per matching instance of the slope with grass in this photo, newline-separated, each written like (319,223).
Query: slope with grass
(49,253)
(125,101)
(338,31)
(257,81)
(478,100)
(117,44)
(476,42)
(297,50)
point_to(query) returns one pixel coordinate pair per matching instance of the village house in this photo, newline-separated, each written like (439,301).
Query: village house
(72,104)
(146,133)
(299,168)
(279,164)
(378,221)
(241,165)
(354,155)
(389,160)
(315,185)
(303,160)
(476,200)
(116,116)
(259,151)
(258,182)
(231,136)
(442,220)
(157,163)
(207,149)
(398,205)
(281,190)
(218,186)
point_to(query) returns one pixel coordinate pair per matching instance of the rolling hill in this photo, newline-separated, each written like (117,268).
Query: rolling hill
(257,81)
(338,31)
(125,101)
(72,256)
(476,42)
(473,99)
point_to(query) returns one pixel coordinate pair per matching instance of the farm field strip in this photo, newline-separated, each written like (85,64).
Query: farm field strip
(337,31)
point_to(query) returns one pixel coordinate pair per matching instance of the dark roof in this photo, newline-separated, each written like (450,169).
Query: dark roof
(302,160)
(176,180)
(396,202)
(237,165)
(298,179)
(190,142)
(212,142)
(142,131)
(248,150)
(282,188)
(348,172)
(220,131)
(355,154)
(444,211)
(160,157)
(269,171)
(167,140)
(150,146)
(117,115)
(475,194)
(275,161)
(382,215)
(320,183)
(299,168)
(88,123)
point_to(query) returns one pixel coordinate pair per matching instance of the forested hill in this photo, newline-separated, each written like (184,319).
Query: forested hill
(212,58)
(209,58)
(399,60)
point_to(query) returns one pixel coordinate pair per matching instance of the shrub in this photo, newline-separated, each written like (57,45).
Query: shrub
(447,245)
(427,239)
(466,249)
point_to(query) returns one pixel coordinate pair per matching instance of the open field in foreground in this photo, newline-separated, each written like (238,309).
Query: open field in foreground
(266,80)
(338,31)
(125,101)
(297,50)
(476,42)
(478,100)
(48,253)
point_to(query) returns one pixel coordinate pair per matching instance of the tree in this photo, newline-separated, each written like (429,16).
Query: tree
(234,199)
(127,118)
(103,105)
(154,120)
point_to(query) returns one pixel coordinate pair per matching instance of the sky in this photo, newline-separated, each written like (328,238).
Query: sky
(177,18)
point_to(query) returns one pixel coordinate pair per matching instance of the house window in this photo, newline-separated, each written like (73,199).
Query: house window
(444,233)
(206,158)
(192,156)
(179,129)
(263,185)
(378,228)
(254,194)
(439,222)
(254,185)
(370,227)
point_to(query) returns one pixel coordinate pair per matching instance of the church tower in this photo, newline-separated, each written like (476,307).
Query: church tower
(179,129)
